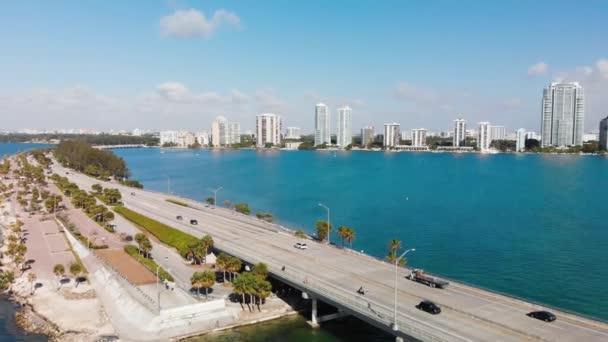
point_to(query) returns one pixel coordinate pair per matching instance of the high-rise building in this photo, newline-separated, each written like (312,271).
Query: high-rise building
(520,141)
(406,135)
(345,129)
(604,134)
(322,132)
(168,138)
(391,134)
(483,137)
(367,135)
(202,138)
(460,128)
(268,127)
(224,132)
(563,115)
(292,133)
(532,135)
(419,137)
(497,133)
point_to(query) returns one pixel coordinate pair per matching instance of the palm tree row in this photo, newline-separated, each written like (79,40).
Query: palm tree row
(205,279)
(393,252)
(230,264)
(254,285)
(199,250)
(346,234)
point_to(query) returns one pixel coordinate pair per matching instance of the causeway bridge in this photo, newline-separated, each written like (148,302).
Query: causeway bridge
(333,275)
(117,147)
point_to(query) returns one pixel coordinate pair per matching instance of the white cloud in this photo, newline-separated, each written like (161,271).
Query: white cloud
(193,23)
(538,69)
(602,67)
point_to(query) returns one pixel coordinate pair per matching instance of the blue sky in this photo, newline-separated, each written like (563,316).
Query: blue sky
(168,64)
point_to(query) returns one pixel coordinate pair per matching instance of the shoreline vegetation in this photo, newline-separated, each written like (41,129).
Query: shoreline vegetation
(434,144)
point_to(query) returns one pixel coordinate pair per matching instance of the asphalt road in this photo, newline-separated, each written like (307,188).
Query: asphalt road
(469,314)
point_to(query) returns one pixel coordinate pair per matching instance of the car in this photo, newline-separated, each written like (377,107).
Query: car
(195,222)
(300,245)
(132,194)
(542,315)
(428,306)
(179,217)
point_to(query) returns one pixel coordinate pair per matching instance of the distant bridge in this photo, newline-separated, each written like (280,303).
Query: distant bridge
(116,147)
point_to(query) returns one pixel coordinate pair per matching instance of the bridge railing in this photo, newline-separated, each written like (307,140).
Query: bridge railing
(363,307)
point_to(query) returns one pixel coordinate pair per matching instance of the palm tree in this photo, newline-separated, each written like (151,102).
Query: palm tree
(350,236)
(195,280)
(206,244)
(31,277)
(239,287)
(207,280)
(59,271)
(394,245)
(323,229)
(263,289)
(300,233)
(342,233)
(143,243)
(234,265)
(260,271)
(222,263)
(75,270)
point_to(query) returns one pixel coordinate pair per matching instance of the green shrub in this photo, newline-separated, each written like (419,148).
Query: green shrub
(167,235)
(148,263)
(170,200)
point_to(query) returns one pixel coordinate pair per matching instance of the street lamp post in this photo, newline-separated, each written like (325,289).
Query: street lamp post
(215,195)
(328,224)
(395,327)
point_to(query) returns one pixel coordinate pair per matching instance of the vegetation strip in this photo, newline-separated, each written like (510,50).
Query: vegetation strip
(170,200)
(165,234)
(148,263)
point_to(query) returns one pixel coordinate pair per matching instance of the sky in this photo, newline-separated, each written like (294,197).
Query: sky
(179,64)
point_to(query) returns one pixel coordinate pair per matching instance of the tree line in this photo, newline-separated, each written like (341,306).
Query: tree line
(82,157)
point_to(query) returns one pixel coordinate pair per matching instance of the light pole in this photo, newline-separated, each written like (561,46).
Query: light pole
(395,327)
(328,224)
(215,195)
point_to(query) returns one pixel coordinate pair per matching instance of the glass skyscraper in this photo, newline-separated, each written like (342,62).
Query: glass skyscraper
(563,115)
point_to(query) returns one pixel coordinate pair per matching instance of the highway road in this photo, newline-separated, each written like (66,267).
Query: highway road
(334,275)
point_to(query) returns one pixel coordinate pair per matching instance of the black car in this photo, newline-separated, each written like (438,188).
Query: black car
(542,315)
(179,217)
(193,222)
(428,306)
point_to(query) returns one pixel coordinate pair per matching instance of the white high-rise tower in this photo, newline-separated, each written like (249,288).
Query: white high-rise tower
(345,129)
(520,142)
(484,138)
(268,129)
(392,134)
(460,129)
(322,133)
(563,115)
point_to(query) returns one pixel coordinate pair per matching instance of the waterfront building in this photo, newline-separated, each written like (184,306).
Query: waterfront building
(136,132)
(563,115)
(224,132)
(367,135)
(460,128)
(419,137)
(391,134)
(520,141)
(483,138)
(497,133)
(406,135)
(292,133)
(345,129)
(202,138)
(292,145)
(322,133)
(168,138)
(533,135)
(185,139)
(604,134)
(591,136)
(268,127)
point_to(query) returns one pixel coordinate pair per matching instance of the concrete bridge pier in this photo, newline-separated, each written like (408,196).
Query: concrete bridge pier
(314,322)
(398,339)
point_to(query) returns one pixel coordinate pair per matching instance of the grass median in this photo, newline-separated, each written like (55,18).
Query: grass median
(170,200)
(148,263)
(165,234)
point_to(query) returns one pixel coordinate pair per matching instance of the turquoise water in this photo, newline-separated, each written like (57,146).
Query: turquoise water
(533,226)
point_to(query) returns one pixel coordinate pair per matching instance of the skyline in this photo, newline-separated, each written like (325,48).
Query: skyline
(181,64)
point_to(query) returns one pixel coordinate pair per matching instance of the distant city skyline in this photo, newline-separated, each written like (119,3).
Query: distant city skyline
(130,66)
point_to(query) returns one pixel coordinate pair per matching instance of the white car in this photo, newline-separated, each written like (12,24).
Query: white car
(300,245)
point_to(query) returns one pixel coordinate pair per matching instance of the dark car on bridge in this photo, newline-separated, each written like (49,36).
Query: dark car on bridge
(193,222)
(179,217)
(542,315)
(428,306)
